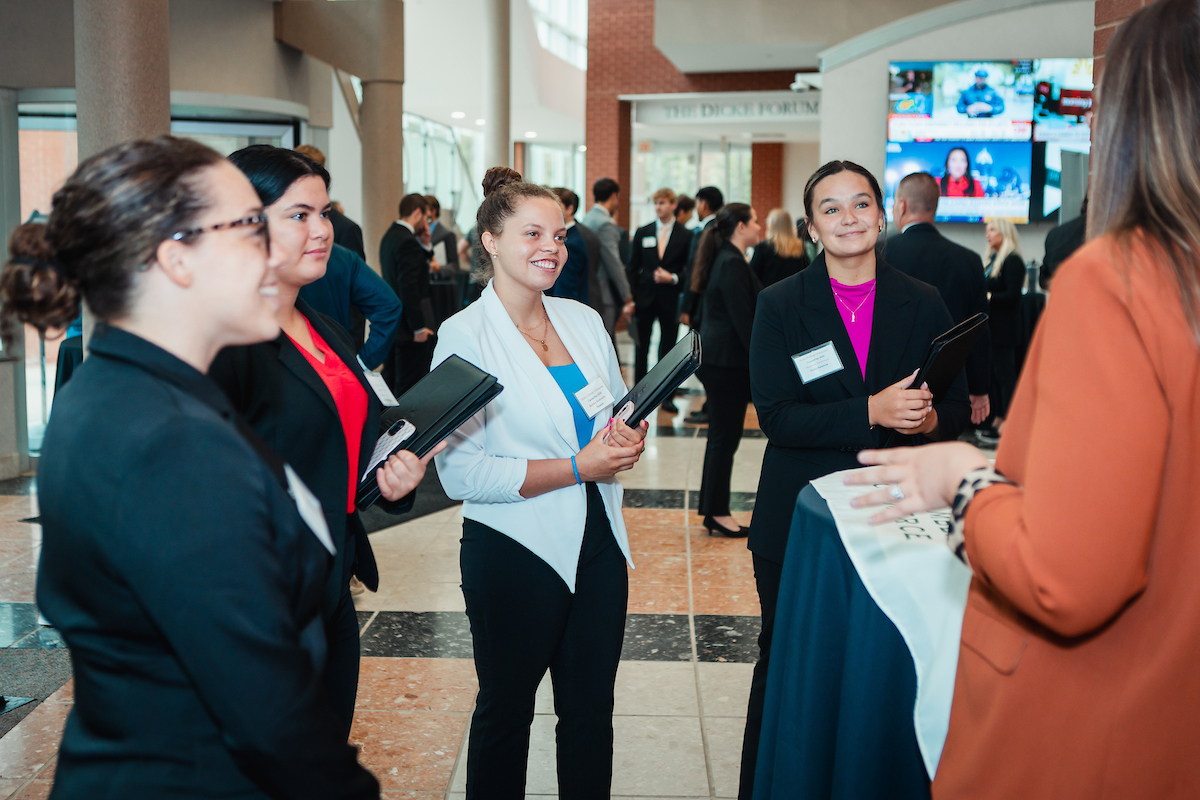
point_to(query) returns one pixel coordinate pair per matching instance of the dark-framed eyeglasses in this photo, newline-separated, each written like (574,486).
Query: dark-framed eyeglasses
(259,220)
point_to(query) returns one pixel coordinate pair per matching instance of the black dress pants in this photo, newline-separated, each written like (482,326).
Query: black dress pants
(1004,379)
(767,576)
(409,362)
(728,396)
(663,309)
(342,659)
(524,621)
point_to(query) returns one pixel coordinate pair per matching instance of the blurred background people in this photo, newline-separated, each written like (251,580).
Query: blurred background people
(346,232)
(405,267)
(615,298)
(709,201)
(781,253)
(1005,283)
(1077,669)
(583,251)
(1061,242)
(684,206)
(444,289)
(921,251)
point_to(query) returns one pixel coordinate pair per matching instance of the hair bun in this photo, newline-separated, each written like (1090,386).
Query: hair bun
(497,178)
(33,287)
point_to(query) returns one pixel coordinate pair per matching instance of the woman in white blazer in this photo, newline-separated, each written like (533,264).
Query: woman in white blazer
(544,548)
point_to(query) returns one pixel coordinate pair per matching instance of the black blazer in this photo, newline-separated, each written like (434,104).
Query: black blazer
(592,242)
(283,398)
(691,304)
(347,233)
(182,578)
(404,265)
(817,428)
(728,317)
(644,260)
(1061,242)
(1004,301)
(957,273)
(770,267)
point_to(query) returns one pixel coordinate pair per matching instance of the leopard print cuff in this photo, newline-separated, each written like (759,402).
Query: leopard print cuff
(974,481)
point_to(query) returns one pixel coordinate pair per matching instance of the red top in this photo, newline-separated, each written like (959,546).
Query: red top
(348,395)
(958,187)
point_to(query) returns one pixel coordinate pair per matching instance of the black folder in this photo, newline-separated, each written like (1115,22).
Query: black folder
(661,382)
(948,354)
(441,401)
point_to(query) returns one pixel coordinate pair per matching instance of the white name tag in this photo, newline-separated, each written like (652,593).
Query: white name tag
(381,388)
(650,241)
(594,398)
(817,362)
(310,508)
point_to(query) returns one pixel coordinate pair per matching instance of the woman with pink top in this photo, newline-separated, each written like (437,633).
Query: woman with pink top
(833,352)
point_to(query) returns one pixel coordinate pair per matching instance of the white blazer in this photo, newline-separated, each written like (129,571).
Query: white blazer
(485,460)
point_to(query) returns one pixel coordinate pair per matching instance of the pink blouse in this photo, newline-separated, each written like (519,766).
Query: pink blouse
(856,304)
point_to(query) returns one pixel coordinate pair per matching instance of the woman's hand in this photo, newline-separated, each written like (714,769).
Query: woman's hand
(900,408)
(621,435)
(401,473)
(928,477)
(599,461)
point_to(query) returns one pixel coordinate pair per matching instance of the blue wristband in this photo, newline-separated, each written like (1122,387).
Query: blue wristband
(576,470)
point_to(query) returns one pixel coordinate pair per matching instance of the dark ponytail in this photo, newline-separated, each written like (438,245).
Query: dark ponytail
(503,190)
(714,238)
(106,223)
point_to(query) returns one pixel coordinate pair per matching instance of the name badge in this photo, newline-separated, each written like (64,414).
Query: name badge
(381,388)
(817,362)
(594,398)
(650,241)
(310,508)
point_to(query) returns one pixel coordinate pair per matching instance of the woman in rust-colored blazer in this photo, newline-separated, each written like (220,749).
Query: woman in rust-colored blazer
(1079,669)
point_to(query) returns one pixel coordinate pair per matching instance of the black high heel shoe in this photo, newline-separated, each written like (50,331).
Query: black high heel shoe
(717,529)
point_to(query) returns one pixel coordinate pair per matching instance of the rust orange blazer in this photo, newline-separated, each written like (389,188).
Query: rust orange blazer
(1079,671)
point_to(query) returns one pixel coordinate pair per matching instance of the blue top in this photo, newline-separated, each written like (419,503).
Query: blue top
(571,380)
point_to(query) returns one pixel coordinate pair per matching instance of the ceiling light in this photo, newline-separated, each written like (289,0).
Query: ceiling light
(458,114)
(530,134)
(583,148)
(479,122)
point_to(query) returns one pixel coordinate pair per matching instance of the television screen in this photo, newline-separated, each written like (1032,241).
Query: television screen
(977,179)
(1047,177)
(1062,99)
(960,101)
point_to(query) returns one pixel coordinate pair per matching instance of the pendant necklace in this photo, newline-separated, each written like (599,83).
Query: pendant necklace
(545,329)
(854,310)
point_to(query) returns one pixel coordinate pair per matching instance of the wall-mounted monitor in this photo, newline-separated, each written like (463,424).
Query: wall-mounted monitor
(977,179)
(960,101)
(1062,100)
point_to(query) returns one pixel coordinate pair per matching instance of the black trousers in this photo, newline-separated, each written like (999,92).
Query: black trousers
(524,621)
(341,660)
(767,576)
(728,396)
(409,362)
(663,309)
(1004,379)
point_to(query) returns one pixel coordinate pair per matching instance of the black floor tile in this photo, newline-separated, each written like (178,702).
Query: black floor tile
(17,620)
(657,637)
(418,634)
(30,673)
(363,618)
(654,498)
(738,501)
(42,639)
(25,485)
(727,638)
(749,433)
(668,432)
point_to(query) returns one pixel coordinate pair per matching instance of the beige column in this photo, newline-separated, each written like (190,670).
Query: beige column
(497,24)
(381,124)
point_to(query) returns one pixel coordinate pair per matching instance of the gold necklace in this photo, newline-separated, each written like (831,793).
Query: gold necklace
(856,309)
(545,329)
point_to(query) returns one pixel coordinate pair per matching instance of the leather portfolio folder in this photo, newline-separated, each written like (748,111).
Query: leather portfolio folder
(426,414)
(661,382)
(947,355)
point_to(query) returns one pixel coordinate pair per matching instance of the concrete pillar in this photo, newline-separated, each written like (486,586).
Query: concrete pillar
(497,24)
(519,157)
(14,429)
(381,123)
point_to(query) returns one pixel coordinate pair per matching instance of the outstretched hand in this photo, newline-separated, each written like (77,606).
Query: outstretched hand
(927,476)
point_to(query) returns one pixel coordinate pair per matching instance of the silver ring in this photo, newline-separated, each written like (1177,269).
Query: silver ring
(895,491)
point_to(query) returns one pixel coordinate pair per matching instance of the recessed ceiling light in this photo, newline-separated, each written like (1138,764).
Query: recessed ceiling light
(530,134)
(479,122)
(458,114)
(583,148)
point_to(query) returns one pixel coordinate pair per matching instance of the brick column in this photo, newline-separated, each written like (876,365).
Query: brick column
(766,177)
(1109,16)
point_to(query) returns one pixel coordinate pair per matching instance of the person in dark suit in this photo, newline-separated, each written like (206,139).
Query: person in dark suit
(725,332)
(1005,285)
(1061,242)
(709,201)
(833,352)
(574,276)
(781,253)
(656,276)
(684,206)
(956,272)
(183,578)
(444,286)
(405,267)
(306,395)
(350,286)
(346,232)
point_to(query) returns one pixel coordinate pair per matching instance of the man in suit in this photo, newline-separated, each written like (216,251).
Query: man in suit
(574,279)
(405,267)
(615,298)
(656,268)
(1061,243)
(444,279)
(709,201)
(956,272)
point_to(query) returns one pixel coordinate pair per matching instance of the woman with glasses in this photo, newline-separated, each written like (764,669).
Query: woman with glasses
(179,561)
(308,397)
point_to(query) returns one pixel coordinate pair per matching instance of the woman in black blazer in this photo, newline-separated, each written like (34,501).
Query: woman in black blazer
(817,402)
(308,397)
(1005,283)
(182,576)
(726,321)
(781,253)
